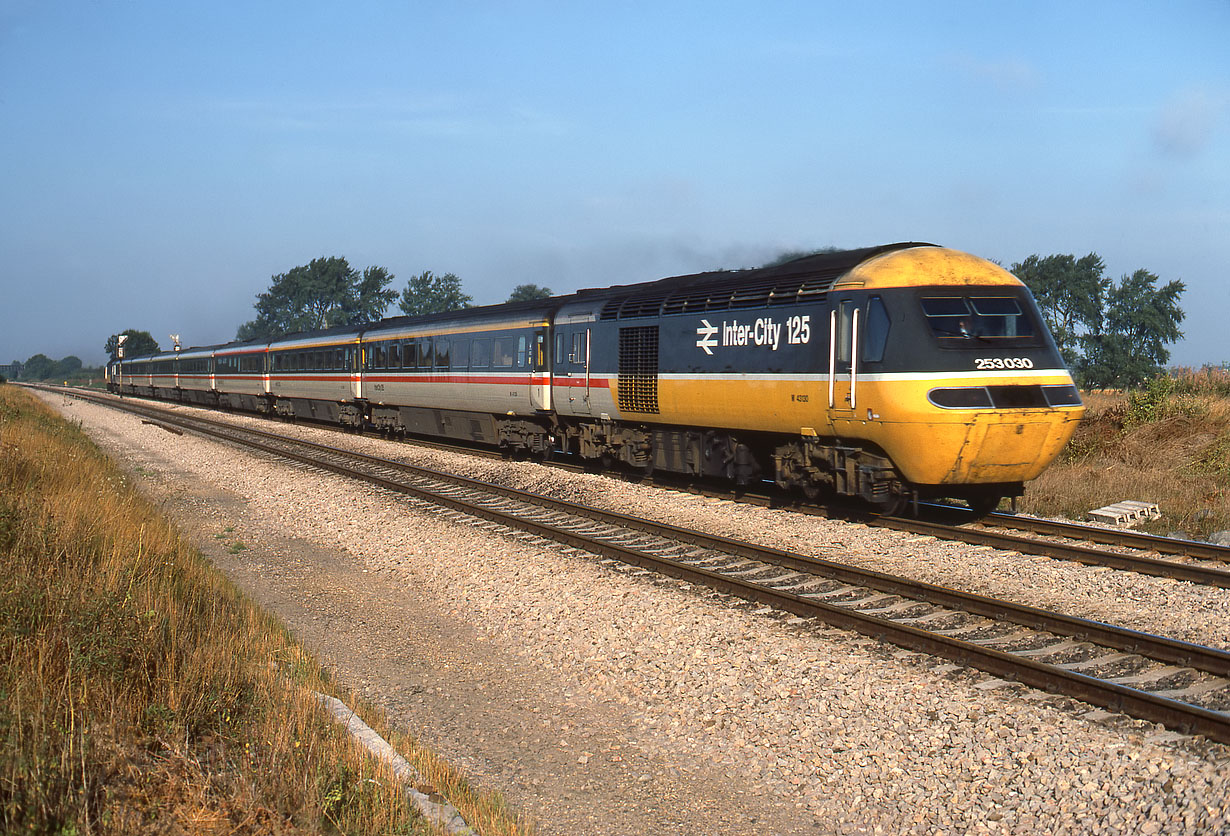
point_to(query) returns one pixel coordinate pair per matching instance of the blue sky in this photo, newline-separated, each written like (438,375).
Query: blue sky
(159,162)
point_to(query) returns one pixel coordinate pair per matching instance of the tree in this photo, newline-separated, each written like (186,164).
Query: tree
(1141,319)
(1071,294)
(38,367)
(1110,335)
(428,293)
(66,368)
(529,292)
(321,294)
(138,344)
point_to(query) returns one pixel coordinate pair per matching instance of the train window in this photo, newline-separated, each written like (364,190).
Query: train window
(395,356)
(559,349)
(339,359)
(521,352)
(502,353)
(577,355)
(875,331)
(480,354)
(1000,316)
(441,346)
(956,319)
(425,353)
(540,351)
(845,319)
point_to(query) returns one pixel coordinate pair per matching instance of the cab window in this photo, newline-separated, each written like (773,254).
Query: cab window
(959,321)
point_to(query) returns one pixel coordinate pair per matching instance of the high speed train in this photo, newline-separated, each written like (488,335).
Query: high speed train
(889,373)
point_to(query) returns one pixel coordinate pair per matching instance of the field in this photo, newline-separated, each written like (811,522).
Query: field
(1168,443)
(140,692)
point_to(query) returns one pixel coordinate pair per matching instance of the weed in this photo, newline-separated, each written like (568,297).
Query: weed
(1160,400)
(134,687)
(1167,443)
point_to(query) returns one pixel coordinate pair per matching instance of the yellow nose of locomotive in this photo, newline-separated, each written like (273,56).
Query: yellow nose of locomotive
(985,397)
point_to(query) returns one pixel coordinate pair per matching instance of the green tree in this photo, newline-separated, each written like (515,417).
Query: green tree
(321,294)
(428,293)
(38,367)
(1071,294)
(529,292)
(66,368)
(1111,335)
(138,344)
(1140,320)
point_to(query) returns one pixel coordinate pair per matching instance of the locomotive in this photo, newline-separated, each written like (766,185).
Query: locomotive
(893,373)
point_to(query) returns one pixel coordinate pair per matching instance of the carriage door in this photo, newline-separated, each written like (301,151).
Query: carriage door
(540,373)
(571,374)
(843,361)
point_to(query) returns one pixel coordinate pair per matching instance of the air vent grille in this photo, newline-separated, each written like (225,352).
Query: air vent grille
(638,370)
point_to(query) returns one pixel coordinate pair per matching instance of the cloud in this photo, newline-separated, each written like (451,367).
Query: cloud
(1187,121)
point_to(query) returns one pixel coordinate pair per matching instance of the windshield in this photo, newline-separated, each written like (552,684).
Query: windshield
(959,320)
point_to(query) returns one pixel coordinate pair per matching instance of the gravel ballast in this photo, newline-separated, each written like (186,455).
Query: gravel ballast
(602,699)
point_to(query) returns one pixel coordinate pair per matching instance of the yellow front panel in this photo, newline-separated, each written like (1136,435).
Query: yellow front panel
(929,445)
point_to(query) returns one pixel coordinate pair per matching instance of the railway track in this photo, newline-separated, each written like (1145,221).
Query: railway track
(1178,684)
(1147,554)
(1108,536)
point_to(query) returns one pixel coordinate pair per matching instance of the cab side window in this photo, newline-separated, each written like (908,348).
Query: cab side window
(875,339)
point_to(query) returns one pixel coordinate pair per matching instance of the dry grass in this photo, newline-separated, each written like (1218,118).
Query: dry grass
(1169,444)
(141,693)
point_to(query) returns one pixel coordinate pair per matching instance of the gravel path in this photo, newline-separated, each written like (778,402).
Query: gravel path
(604,700)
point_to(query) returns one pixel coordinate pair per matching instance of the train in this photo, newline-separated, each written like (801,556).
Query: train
(890,374)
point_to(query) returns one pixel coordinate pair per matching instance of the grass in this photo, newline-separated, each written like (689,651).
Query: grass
(140,692)
(1167,443)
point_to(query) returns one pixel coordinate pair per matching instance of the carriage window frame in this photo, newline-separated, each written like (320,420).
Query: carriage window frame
(502,352)
(480,353)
